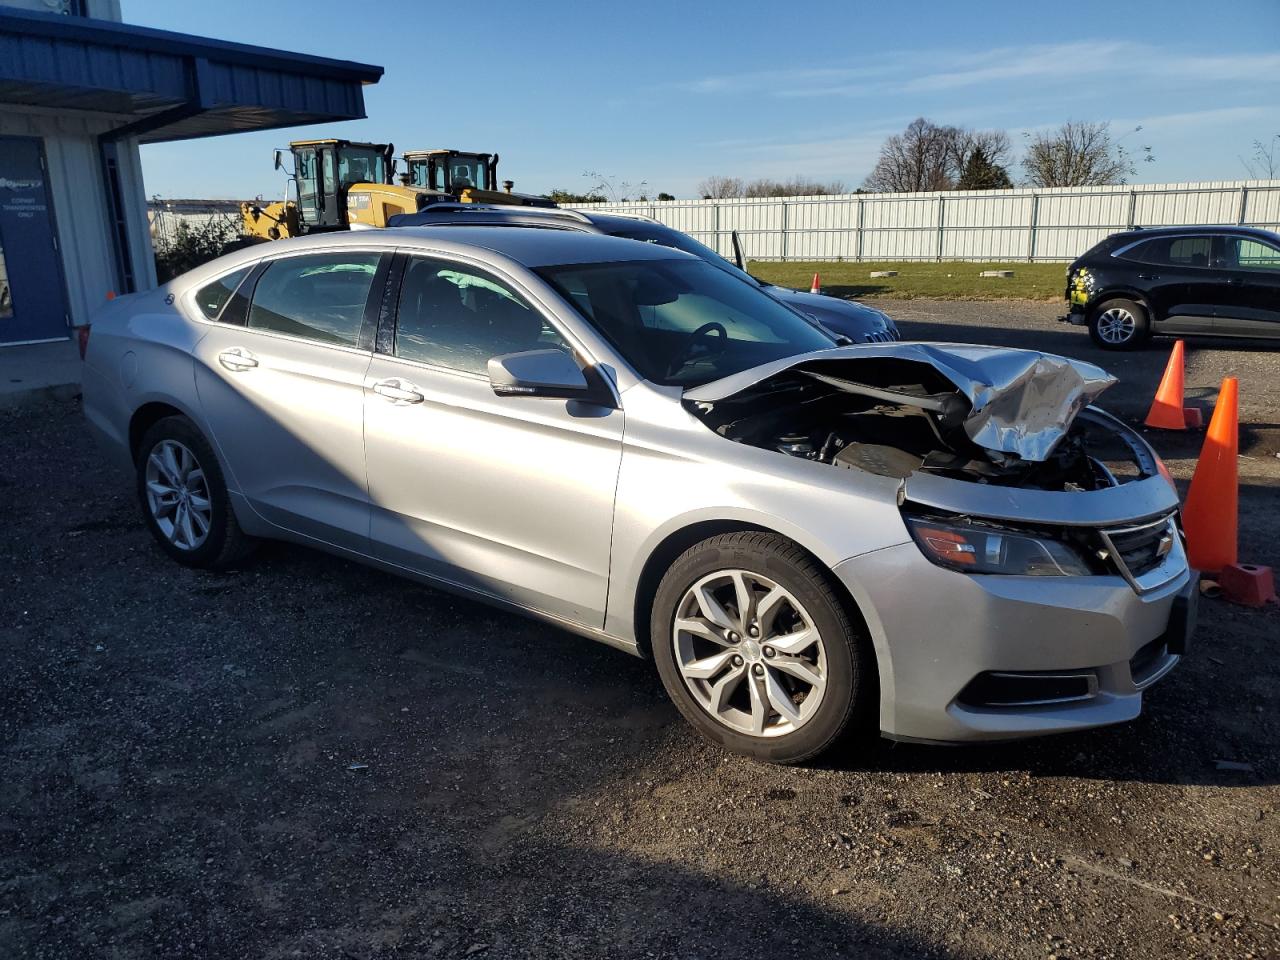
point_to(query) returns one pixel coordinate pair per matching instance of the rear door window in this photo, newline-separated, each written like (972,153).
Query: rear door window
(1172,251)
(1190,251)
(318,297)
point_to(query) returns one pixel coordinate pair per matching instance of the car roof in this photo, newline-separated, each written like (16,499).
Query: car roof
(1140,233)
(529,248)
(586,221)
(541,248)
(519,243)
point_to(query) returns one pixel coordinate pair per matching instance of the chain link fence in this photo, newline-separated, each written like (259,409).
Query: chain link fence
(219,220)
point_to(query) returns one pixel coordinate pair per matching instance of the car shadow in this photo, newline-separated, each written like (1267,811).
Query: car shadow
(853,291)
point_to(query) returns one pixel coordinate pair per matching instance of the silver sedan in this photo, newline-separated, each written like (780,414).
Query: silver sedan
(935,542)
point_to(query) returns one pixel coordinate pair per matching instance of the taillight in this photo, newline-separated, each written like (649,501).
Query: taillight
(82,338)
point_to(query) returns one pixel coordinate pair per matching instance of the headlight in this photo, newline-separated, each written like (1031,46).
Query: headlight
(977,549)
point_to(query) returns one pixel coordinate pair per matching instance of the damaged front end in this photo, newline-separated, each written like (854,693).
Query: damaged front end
(994,450)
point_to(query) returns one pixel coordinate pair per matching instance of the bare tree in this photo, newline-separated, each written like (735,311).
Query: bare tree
(615,191)
(930,156)
(720,188)
(922,157)
(1264,163)
(797,186)
(1079,154)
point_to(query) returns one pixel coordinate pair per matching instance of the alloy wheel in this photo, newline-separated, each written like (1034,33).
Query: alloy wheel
(1117,326)
(749,653)
(178,495)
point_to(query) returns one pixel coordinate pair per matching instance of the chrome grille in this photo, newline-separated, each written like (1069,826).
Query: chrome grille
(880,336)
(1139,549)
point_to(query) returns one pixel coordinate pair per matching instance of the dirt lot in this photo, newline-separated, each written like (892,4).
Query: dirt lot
(177,769)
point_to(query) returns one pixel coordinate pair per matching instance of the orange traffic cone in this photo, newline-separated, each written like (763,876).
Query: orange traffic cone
(111,294)
(1166,410)
(1210,515)
(816,287)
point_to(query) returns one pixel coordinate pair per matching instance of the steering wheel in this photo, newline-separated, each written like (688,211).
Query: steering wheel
(692,343)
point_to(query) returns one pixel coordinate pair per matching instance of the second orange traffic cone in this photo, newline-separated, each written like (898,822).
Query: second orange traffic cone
(1166,410)
(1210,515)
(816,286)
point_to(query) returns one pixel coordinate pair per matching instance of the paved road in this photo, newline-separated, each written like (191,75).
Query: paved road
(304,758)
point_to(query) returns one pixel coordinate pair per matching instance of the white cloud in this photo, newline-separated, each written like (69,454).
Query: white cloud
(937,71)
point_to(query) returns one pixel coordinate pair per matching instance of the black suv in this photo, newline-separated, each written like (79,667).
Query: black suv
(1220,281)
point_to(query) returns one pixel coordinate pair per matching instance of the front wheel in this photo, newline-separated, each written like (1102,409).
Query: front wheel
(757,650)
(1119,325)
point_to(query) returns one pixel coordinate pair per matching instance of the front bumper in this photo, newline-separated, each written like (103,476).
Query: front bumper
(1076,315)
(945,631)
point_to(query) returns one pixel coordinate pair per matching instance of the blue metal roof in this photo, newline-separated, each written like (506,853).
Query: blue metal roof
(171,86)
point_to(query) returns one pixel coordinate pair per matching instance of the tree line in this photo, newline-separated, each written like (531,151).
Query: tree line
(928,156)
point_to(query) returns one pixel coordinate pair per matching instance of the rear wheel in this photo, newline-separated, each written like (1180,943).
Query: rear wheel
(1119,325)
(184,497)
(755,647)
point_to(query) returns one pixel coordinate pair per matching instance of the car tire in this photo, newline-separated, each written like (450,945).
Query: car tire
(184,497)
(730,687)
(1119,325)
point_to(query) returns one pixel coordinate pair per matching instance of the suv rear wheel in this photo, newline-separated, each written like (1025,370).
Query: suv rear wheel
(756,648)
(1119,325)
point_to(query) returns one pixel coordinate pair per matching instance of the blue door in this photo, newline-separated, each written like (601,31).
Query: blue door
(33,299)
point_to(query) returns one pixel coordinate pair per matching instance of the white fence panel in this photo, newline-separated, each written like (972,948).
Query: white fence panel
(1008,225)
(1015,224)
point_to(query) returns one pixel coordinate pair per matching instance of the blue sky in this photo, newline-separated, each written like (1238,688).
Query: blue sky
(671,92)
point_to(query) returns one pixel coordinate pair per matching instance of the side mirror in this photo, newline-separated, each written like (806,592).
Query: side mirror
(547,373)
(279,161)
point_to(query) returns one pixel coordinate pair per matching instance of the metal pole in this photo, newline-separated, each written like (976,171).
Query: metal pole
(860,227)
(784,230)
(1244,205)
(715,225)
(942,215)
(1031,233)
(1133,208)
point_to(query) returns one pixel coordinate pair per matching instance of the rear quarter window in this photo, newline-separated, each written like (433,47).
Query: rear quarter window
(212,298)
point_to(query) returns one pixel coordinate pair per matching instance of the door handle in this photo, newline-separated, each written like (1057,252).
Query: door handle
(1148,276)
(1235,282)
(398,391)
(237,358)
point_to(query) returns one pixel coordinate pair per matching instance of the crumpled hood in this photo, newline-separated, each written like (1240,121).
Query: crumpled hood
(1021,401)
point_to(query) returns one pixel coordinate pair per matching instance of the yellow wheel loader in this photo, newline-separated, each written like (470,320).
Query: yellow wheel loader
(340,185)
(470,177)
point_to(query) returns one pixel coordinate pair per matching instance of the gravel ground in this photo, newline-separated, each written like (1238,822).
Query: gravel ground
(305,758)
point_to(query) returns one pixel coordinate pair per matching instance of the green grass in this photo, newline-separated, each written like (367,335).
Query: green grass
(949,280)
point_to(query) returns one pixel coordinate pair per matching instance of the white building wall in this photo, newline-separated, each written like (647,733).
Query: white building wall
(78,193)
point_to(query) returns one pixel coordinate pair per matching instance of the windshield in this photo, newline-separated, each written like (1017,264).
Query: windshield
(684,322)
(647,233)
(467,172)
(360,165)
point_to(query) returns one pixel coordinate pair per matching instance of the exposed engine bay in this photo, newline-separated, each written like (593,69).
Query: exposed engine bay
(894,416)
